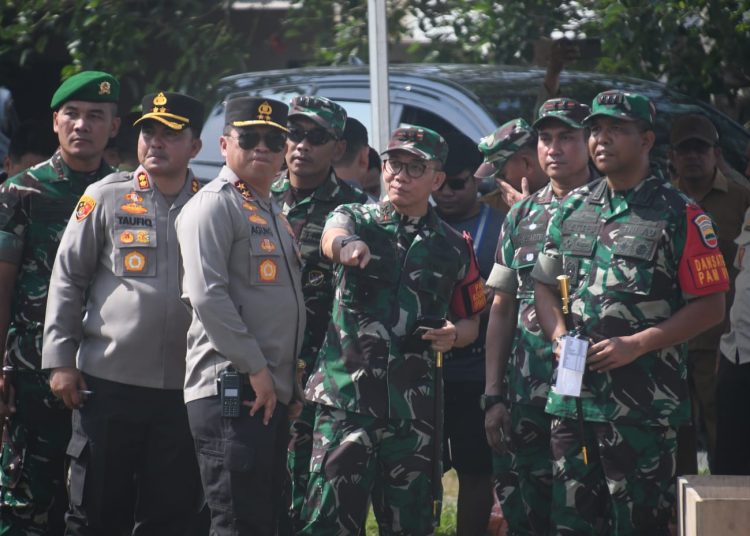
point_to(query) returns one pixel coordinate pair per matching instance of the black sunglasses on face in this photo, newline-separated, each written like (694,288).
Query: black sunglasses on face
(455,184)
(274,140)
(316,136)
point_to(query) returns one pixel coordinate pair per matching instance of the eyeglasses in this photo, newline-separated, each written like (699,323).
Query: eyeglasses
(455,184)
(413,169)
(316,136)
(275,140)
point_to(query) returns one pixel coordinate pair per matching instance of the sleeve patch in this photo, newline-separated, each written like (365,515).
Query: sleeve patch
(84,207)
(708,270)
(706,230)
(702,269)
(468,296)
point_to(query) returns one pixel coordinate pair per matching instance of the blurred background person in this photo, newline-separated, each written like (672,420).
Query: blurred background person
(32,142)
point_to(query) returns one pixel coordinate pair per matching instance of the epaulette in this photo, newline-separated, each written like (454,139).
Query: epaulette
(216,185)
(117,176)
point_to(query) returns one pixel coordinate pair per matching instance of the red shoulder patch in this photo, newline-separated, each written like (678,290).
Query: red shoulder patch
(702,268)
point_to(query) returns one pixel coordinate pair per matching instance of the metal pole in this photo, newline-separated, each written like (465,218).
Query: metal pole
(379,95)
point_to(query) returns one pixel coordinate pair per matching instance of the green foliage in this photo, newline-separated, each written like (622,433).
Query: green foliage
(348,20)
(177,44)
(697,46)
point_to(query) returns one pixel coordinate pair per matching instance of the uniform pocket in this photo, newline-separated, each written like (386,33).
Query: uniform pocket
(632,265)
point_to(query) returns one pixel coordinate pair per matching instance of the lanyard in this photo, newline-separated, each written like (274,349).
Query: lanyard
(480,227)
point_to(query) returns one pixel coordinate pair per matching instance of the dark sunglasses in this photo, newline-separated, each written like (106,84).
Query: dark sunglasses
(316,136)
(455,184)
(275,140)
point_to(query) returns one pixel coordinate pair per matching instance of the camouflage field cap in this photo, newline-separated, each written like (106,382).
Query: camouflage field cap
(569,111)
(501,145)
(322,111)
(622,105)
(419,141)
(173,110)
(88,86)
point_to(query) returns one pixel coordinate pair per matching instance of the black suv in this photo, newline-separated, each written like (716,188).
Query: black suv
(473,99)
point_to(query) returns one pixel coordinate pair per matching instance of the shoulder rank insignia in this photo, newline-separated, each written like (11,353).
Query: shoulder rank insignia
(84,207)
(143,181)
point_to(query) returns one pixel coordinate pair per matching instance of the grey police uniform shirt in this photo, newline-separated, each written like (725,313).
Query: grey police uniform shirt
(735,345)
(119,263)
(242,280)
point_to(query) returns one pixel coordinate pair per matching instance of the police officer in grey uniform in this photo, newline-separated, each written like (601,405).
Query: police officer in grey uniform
(242,279)
(121,364)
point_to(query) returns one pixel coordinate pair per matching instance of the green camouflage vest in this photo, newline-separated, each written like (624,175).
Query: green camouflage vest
(370,362)
(622,251)
(35,207)
(307,218)
(521,240)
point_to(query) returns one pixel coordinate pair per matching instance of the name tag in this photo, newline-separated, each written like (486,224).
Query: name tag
(572,366)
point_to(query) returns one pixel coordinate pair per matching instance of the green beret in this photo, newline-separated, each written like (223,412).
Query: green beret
(89,86)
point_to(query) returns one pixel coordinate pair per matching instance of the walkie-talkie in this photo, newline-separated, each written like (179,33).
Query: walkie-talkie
(230,387)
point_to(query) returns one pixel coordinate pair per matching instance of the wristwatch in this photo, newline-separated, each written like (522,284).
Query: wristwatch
(487,401)
(347,239)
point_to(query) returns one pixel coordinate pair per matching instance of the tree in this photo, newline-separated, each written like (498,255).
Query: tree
(698,47)
(177,44)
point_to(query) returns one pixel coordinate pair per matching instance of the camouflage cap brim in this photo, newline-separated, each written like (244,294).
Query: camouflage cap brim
(411,149)
(315,118)
(562,118)
(488,170)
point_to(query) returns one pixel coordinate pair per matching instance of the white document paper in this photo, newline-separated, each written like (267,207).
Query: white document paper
(572,366)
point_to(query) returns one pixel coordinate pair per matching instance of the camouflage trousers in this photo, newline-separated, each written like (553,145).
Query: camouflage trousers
(298,465)
(33,499)
(357,457)
(524,475)
(628,486)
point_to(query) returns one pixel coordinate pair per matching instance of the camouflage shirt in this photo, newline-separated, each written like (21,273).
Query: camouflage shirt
(35,207)
(371,363)
(634,258)
(521,240)
(307,218)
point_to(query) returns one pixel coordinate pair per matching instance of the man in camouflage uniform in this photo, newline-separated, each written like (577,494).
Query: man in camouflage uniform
(34,208)
(400,269)
(645,274)
(509,155)
(514,166)
(308,191)
(514,335)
